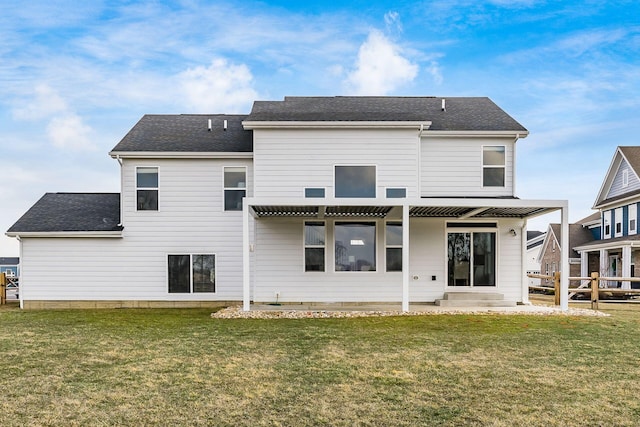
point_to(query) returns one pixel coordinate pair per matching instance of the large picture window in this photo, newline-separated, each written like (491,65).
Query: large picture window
(147,189)
(235,187)
(355,244)
(493,165)
(471,258)
(314,246)
(393,240)
(192,273)
(355,181)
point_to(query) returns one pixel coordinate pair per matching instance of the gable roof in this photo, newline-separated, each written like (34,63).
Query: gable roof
(71,212)
(187,133)
(578,236)
(630,154)
(12,260)
(460,114)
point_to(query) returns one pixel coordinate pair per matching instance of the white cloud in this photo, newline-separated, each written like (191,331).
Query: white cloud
(380,67)
(220,87)
(45,103)
(392,20)
(68,131)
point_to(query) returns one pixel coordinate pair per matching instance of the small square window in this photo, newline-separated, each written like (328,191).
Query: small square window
(396,193)
(314,193)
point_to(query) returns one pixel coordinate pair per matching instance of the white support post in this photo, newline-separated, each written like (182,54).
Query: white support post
(564,259)
(626,266)
(405,258)
(246,276)
(584,265)
(524,261)
(604,267)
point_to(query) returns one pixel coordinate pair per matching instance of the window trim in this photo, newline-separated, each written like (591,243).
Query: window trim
(157,189)
(191,255)
(305,246)
(632,213)
(388,246)
(618,219)
(471,229)
(483,166)
(606,224)
(375,184)
(376,249)
(225,189)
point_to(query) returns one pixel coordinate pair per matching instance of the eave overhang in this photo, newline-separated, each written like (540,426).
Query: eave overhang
(83,234)
(477,133)
(418,125)
(180,155)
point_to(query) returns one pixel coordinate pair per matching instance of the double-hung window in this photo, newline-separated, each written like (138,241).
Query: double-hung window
(606,224)
(235,187)
(493,166)
(314,246)
(147,188)
(618,222)
(633,219)
(393,241)
(355,181)
(355,246)
(189,273)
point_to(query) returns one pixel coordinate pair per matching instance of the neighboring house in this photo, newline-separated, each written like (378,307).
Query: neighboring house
(535,239)
(549,258)
(309,199)
(615,250)
(10,266)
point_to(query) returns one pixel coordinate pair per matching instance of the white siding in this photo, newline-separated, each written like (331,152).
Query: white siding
(452,167)
(280,266)
(287,161)
(190,220)
(617,188)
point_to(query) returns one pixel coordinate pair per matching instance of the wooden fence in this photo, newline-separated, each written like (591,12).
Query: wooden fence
(588,285)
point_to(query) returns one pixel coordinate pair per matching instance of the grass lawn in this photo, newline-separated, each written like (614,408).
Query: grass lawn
(180,367)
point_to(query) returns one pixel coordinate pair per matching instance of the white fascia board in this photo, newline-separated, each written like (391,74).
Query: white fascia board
(617,203)
(179,155)
(109,234)
(476,133)
(336,125)
(413,202)
(608,245)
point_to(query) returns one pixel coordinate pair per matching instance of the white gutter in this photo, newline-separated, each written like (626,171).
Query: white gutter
(110,234)
(478,133)
(250,124)
(179,155)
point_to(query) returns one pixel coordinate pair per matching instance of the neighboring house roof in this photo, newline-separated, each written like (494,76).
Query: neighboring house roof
(14,260)
(460,114)
(533,234)
(71,212)
(609,242)
(629,155)
(535,238)
(594,217)
(187,133)
(578,236)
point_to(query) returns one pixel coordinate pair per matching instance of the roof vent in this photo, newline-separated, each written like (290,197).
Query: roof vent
(444,107)
(209,125)
(225,125)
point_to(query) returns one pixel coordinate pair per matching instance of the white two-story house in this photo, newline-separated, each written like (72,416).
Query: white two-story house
(310,199)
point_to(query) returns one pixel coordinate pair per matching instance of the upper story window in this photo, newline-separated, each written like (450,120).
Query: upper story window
(311,192)
(493,166)
(355,181)
(147,189)
(606,223)
(396,193)
(235,187)
(618,220)
(633,219)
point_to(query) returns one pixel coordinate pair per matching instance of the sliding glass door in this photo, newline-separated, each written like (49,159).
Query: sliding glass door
(471,258)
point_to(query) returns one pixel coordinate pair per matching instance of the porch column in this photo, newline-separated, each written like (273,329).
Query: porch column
(405,257)
(564,259)
(584,265)
(604,267)
(246,277)
(626,266)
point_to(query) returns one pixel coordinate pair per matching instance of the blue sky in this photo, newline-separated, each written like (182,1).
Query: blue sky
(76,76)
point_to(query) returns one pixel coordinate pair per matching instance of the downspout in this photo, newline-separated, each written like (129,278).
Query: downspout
(513,162)
(120,162)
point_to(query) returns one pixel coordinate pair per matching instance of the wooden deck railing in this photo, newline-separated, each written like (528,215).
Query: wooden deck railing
(588,285)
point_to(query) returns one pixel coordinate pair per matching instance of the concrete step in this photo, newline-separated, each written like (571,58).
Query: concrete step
(476,296)
(475,303)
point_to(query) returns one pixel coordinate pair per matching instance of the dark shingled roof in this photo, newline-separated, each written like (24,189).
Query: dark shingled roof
(188,133)
(462,114)
(632,153)
(56,212)
(578,236)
